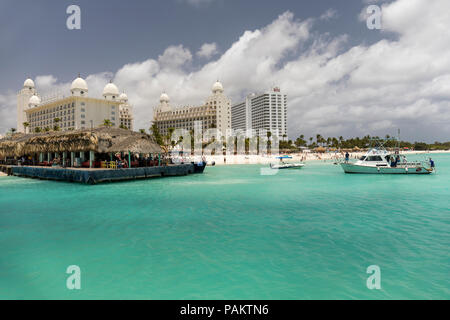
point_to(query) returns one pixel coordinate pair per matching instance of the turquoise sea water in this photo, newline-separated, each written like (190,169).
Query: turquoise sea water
(229,234)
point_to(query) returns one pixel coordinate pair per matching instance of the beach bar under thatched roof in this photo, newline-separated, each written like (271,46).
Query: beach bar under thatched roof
(99,140)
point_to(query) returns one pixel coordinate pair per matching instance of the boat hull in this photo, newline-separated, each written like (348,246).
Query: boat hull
(286,167)
(358,169)
(199,167)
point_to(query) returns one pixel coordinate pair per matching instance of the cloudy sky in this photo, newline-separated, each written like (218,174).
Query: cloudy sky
(341,78)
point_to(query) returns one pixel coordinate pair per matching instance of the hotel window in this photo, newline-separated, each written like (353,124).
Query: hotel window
(83,116)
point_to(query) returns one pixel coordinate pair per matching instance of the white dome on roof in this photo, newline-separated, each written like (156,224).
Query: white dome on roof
(123,97)
(34,101)
(164,98)
(217,87)
(111,90)
(79,84)
(28,83)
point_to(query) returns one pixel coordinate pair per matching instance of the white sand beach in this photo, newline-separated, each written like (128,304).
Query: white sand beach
(3,174)
(299,157)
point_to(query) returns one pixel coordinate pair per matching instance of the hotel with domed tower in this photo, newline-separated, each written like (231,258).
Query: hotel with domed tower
(72,112)
(215,113)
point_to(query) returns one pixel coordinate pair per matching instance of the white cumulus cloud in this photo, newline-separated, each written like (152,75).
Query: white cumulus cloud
(207,50)
(333,89)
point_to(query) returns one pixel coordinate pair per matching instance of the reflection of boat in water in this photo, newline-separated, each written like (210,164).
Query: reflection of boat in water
(284,165)
(379,161)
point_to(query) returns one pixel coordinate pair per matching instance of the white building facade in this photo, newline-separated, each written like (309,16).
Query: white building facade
(266,111)
(76,111)
(215,113)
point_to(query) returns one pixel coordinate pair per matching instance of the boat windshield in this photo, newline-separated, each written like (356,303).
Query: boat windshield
(362,158)
(374,158)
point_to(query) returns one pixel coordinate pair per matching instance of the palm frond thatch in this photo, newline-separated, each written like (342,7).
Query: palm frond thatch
(100,140)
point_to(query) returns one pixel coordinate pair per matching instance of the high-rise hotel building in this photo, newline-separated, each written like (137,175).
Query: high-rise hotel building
(76,111)
(215,113)
(262,111)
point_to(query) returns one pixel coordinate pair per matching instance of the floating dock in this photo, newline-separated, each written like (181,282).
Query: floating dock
(95,176)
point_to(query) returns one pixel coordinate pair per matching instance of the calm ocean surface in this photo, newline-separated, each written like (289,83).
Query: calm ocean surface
(229,234)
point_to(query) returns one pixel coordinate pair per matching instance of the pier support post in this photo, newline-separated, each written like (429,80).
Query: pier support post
(49,157)
(41,157)
(129,159)
(64,159)
(72,159)
(91,158)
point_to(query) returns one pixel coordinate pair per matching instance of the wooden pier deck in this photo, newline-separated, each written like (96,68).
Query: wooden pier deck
(95,176)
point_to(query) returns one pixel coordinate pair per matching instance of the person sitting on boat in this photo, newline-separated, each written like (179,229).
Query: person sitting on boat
(432,165)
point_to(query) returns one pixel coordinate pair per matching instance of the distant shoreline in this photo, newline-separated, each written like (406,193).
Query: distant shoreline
(300,157)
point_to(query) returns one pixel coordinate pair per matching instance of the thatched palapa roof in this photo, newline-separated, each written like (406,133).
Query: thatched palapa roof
(100,140)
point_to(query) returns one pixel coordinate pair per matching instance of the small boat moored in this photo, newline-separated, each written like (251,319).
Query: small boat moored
(284,165)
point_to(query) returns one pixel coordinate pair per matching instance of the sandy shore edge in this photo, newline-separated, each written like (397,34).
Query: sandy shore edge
(300,157)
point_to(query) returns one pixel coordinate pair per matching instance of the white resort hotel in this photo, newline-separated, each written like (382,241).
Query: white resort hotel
(266,111)
(215,113)
(76,111)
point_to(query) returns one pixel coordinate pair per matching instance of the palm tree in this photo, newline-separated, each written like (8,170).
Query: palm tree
(318,138)
(142,131)
(47,129)
(156,134)
(37,129)
(26,125)
(170,132)
(107,123)
(56,121)
(13,130)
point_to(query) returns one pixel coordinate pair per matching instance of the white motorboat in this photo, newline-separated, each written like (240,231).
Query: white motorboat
(287,166)
(284,165)
(379,161)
